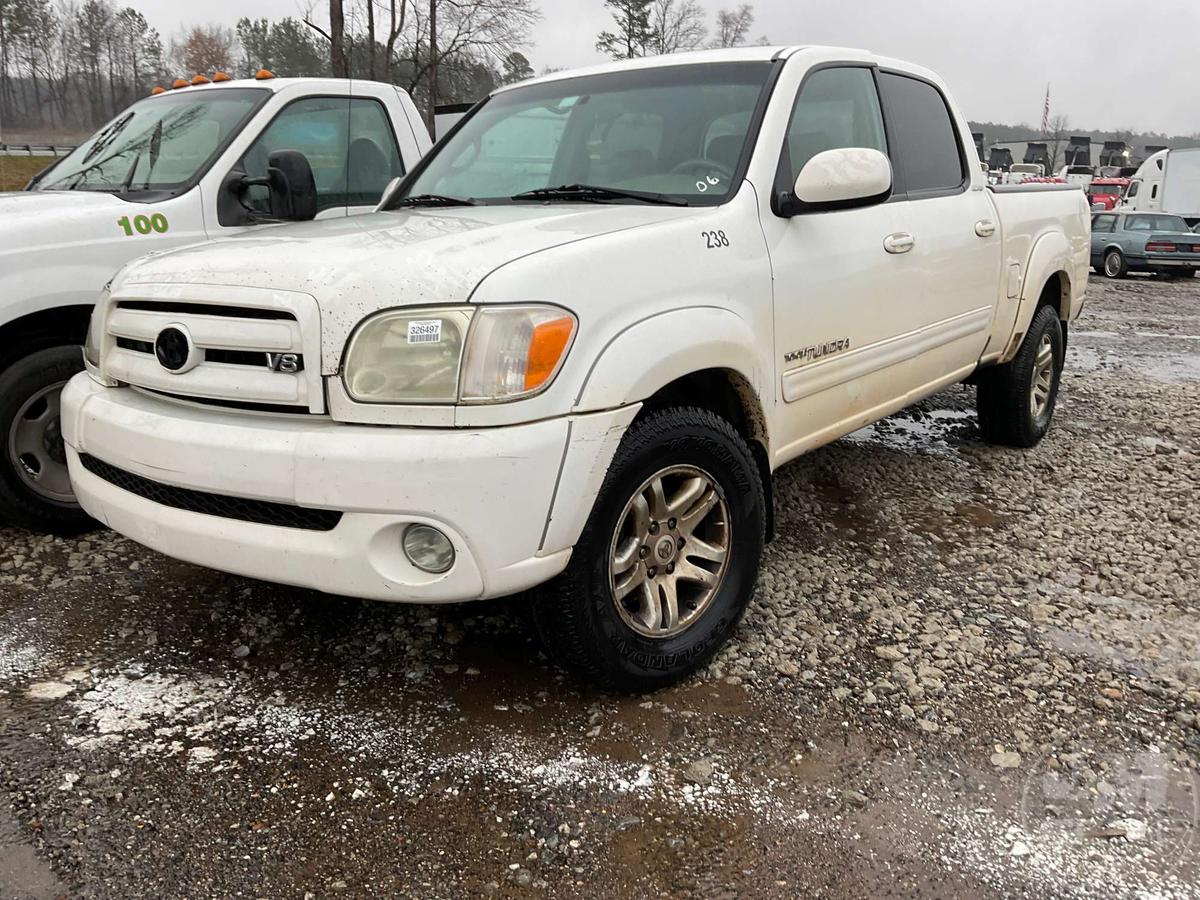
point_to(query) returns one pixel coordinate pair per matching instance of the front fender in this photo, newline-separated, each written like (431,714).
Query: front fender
(651,353)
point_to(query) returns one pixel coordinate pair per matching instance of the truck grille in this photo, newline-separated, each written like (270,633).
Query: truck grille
(260,512)
(241,357)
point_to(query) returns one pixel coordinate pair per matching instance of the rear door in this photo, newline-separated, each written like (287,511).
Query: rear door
(957,240)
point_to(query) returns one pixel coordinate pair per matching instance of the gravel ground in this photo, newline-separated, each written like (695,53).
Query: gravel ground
(969,672)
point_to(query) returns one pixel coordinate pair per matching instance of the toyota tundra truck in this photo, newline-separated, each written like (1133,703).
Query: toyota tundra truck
(573,345)
(181,166)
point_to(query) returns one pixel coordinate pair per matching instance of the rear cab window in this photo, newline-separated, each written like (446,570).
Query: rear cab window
(927,152)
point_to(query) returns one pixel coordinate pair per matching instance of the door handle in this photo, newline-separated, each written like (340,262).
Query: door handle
(985,228)
(900,242)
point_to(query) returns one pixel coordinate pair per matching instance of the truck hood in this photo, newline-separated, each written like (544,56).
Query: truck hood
(43,219)
(356,266)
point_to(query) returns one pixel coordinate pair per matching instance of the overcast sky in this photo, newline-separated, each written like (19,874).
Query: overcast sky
(1108,67)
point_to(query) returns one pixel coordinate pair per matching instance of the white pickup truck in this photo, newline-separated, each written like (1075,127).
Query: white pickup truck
(185,165)
(575,342)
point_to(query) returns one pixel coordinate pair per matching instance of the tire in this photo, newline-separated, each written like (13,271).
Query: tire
(1010,412)
(619,645)
(34,489)
(1115,265)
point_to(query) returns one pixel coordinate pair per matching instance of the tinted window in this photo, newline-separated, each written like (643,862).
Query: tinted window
(348,143)
(927,150)
(1133,189)
(1104,224)
(837,108)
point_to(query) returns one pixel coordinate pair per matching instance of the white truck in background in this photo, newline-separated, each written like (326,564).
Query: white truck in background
(202,161)
(1167,182)
(575,342)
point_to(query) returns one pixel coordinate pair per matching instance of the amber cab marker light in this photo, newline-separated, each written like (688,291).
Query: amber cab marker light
(218,77)
(180,83)
(158,89)
(546,349)
(200,79)
(264,74)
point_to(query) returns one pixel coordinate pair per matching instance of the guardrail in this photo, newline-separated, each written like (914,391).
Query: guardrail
(34,150)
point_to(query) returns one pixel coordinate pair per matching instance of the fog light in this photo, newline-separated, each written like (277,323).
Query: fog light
(428,549)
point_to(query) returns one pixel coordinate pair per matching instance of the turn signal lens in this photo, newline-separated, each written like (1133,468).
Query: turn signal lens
(514,351)
(200,79)
(158,89)
(264,74)
(180,83)
(220,76)
(550,339)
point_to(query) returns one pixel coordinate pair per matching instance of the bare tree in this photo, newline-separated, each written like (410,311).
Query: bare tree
(398,13)
(677,25)
(733,26)
(1057,136)
(336,37)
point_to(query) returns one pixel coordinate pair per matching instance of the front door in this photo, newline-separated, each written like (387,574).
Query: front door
(844,280)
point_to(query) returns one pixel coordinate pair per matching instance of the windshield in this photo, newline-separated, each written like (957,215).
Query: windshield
(675,131)
(159,144)
(1156,223)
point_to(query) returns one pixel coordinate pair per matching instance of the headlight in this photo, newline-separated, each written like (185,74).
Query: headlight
(447,354)
(408,356)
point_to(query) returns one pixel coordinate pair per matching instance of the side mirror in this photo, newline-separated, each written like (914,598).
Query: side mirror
(292,185)
(840,179)
(388,193)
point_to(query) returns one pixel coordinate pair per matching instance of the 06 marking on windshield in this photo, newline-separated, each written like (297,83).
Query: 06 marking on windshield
(715,240)
(144,224)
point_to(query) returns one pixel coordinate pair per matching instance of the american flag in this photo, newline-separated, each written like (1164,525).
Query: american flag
(1046,113)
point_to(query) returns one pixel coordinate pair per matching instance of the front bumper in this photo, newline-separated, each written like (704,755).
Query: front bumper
(492,491)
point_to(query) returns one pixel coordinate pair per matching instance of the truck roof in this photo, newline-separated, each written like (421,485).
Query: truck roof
(699,57)
(272,84)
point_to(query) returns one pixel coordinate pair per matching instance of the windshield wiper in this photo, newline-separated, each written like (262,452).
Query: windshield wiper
(592,193)
(434,200)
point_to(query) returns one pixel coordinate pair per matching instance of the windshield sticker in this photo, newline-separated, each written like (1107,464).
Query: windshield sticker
(425,331)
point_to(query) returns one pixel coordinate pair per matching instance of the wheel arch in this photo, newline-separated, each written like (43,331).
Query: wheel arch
(45,328)
(1047,282)
(703,357)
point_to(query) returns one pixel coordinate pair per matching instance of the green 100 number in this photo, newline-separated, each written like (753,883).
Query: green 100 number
(143,224)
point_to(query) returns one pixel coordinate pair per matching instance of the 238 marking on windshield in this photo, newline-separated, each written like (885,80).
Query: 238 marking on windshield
(156,223)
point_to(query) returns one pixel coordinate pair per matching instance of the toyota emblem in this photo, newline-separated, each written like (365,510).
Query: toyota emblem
(174,349)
